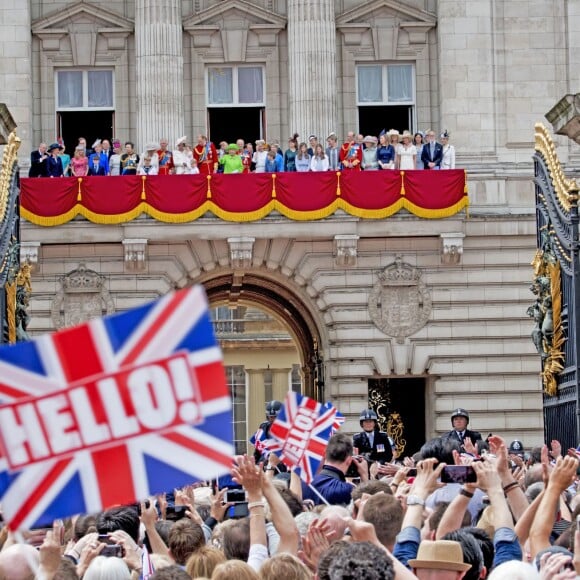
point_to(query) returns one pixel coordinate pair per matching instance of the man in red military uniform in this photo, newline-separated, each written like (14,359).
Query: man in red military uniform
(206,155)
(165,158)
(351,153)
(245,155)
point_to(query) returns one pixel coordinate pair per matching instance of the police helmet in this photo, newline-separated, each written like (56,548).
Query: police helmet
(459,412)
(368,415)
(516,448)
(273,408)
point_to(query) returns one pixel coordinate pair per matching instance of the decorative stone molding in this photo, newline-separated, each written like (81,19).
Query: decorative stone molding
(82,296)
(353,32)
(400,302)
(417,31)
(241,252)
(29,252)
(346,249)
(135,254)
(451,248)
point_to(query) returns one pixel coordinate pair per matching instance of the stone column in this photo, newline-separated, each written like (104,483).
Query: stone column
(16,70)
(280,383)
(312,68)
(159,71)
(255,400)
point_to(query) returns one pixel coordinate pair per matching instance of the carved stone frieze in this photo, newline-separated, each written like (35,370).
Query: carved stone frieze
(82,296)
(400,302)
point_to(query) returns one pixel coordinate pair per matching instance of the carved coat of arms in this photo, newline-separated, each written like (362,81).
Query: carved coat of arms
(400,302)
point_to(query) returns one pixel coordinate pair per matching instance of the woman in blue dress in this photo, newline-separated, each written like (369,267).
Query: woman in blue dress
(385,152)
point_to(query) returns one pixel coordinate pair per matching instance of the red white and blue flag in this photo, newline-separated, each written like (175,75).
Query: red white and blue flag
(112,411)
(303,426)
(264,444)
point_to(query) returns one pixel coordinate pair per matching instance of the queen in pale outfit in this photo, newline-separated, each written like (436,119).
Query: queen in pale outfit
(448,159)
(406,153)
(182,157)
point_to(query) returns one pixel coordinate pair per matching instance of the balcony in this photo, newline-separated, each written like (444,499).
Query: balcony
(245,197)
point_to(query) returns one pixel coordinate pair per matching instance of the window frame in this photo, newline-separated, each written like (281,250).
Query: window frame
(235,86)
(85,88)
(385,85)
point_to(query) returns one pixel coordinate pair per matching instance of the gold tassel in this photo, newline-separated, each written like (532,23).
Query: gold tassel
(273,185)
(403,183)
(79,196)
(208,195)
(338,192)
(143,178)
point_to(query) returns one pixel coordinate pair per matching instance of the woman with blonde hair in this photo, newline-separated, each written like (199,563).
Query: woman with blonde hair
(234,570)
(204,561)
(406,153)
(284,566)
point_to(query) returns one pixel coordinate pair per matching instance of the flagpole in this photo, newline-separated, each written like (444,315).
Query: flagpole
(318,494)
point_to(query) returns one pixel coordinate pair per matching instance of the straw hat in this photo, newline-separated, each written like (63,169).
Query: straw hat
(440,555)
(407,134)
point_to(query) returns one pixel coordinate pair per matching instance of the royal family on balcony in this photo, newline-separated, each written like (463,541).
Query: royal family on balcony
(357,153)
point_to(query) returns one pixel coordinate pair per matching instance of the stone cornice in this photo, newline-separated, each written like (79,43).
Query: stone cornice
(243,6)
(398,7)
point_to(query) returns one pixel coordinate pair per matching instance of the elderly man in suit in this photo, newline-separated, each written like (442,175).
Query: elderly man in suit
(432,152)
(38,162)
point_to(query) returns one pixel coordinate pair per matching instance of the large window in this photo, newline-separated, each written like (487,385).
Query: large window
(241,86)
(385,84)
(236,379)
(84,89)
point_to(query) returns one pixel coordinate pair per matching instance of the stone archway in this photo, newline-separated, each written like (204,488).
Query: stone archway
(248,288)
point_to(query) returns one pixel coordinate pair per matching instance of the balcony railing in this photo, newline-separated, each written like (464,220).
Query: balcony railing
(244,197)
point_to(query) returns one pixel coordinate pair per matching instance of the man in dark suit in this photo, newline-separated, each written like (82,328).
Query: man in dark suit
(38,162)
(371,442)
(432,152)
(460,432)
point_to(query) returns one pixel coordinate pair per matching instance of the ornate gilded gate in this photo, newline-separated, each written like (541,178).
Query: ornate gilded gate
(556,285)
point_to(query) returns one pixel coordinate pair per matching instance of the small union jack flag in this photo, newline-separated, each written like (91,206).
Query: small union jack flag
(338,420)
(303,427)
(264,444)
(46,372)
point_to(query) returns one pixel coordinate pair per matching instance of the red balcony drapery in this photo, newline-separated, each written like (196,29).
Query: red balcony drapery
(243,197)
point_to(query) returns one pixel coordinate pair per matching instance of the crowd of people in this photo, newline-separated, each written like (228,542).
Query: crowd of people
(461,507)
(391,150)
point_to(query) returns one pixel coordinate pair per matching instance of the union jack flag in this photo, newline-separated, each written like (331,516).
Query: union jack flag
(264,444)
(338,420)
(122,472)
(303,427)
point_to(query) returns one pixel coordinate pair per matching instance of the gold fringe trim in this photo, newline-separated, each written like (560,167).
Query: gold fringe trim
(435,213)
(465,188)
(554,364)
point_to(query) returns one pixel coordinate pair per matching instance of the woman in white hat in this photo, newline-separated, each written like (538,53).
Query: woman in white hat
(151,152)
(370,161)
(448,159)
(406,153)
(182,157)
(260,156)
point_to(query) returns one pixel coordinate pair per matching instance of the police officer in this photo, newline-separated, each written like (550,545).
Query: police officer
(460,432)
(371,442)
(272,410)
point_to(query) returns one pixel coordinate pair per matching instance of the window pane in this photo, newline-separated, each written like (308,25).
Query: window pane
(220,86)
(400,80)
(250,85)
(70,89)
(370,86)
(100,87)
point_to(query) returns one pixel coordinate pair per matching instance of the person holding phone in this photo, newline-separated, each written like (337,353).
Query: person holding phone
(460,432)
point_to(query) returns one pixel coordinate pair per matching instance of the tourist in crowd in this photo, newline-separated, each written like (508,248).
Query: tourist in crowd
(53,162)
(385,152)
(432,152)
(79,164)
(302,161)
(448,152)
(64,158)
(129,160)
(406,153)
(232,162)
(370,161)
(115,159)
(418,142)
(98,162)
(182,157)
(332,152)
(290,153)
(164,157)
(319,161)
(260,156)
(38,162)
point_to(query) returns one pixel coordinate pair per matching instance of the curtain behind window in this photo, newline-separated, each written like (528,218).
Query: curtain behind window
(220,86)
(100,88)
(70,89)
(370,89)
(250,85)
(400,81)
